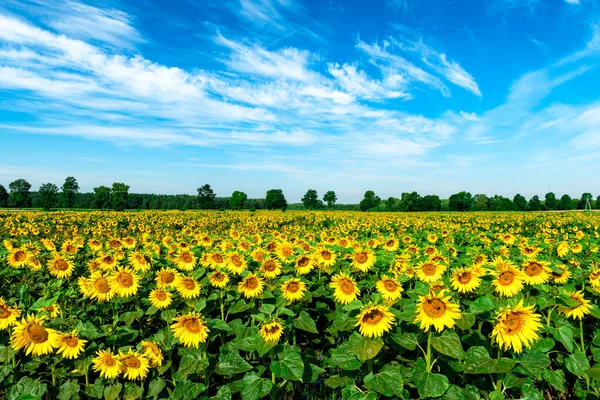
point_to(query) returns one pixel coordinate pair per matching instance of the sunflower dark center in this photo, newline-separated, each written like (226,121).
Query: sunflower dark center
(236,260)
(434,308)
(372,317)
(514,322)
(506,278)
(533,269)
(168,277)
(71,341)
(125,279)
(251,283)
(189,284)
(162,296)
(61,265)
(326,255)
(270,266)
(303,262)
(293,287)
(187,258)
(346,287)
(390,285)
(218,258)
(133,362)
(192,325)
(429,269)
(102,286)
(4,312)
(361,257)
(37,333)
(464,277)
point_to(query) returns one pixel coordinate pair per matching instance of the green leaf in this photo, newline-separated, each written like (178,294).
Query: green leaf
(564,334)
(466,321)
(555,378)
(352,393)
(364,348)
(191,363)
(5,371)
(311,373)
(543,346)
(483,304)
(132,391)
(44,303)
(231,363)
(96,390)
(448,343)
(306,323)
(478,361)
(577,363)
(431,385)
(353,305)
(267,308)
(69,390)
(168,315)
(6,354)
(594,372)
(454,393)
(254,387)
(534,362)
(343,358)
(186,390)
(156,386)
(239,307)
(406,339)
(130,316)
(565,301)
(26,385)
(290,366)
(337,381)
(224,393)
(388,382)
(221,325)
(112,392)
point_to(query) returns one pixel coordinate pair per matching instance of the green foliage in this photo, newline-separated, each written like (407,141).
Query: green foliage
(69,191)
(535,204)
(3,197)
(520,202)
(102,197)
(206,197)
(311,200)
(275,200)
(330,198)
(120,193)
(461,201)
(565,203)
(48,195)
(237,200)
(370,201)
(550,201)
(19,193)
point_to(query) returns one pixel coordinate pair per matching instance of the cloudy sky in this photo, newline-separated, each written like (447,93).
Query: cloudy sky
(437,96)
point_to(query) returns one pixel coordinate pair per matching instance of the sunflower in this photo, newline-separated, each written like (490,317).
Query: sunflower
(17,258)
(465,280)
(579,311)
(218,279)
(54,310)
(374,321)
(95,245)
(108,262)
(285,252)
(99,288)
(326,258)
(8,315)
(271,331)
(160,298)
(577,248)
(152,352)
(430,271)
(107,364)
(293,289)
(190,329)
(187,287)
(59,267)
(363,260)
(390,289)
(124,282)
(517,326)
(562,249)
(270,268)
(138,262)
(509,279)
(165,277)
(595,278)
(185,260)
(258,255)
(391,244)
(215,260)
(250,286)
(432,238)
(69,345)
(437,310)
(304,264)
(536,272)
(561,277)
(235,263)
(31,335)
(134,365)
(345,289)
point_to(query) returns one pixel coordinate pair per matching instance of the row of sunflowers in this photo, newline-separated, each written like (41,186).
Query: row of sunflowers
(312,305)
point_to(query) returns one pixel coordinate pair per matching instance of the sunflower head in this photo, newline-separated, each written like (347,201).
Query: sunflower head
(69,344)
(438,311)
(517,327)
(345,289)
(271,331)
(293,289)
(375,320)
(190,329)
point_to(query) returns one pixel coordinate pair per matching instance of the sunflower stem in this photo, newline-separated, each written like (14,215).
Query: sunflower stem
(274,389)
(222,307)
(587,379)
(428,356)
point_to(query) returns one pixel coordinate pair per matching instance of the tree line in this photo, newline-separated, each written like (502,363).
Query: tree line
(117,197)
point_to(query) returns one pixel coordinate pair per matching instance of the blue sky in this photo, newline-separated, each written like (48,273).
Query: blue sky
(437,96)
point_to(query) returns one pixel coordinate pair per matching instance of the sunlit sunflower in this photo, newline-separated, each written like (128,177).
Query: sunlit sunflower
(465,280)
(579,311)
(235,263)
(187,287)
(190,329)
(293,289)
(595,278)
(108,262)
(69,345)
(437,310)
(165,277)
(536,272)
(390,289)
(258,255)
(152,352)
(345,289)
(107,364)
(17,258)
(270,268)
(430,272)
(251,286)
(31,334)
(8,315)
(432,238)
(517,327)
(577,248)
(363,259)
(285,252)
(326,258)
(160,298)
(54,310)
(99,287)
(218,279)
(508,279)
(561,277)
(375,320)
(124,282)
(95,245)
(304,264)
(215,260)
(60,267)
(185,260)
(391,244)
(138,262)
(134,365)
(271,331)
(562,249)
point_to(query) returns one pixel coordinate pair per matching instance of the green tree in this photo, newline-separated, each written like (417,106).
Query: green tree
(120,194)
(501,203)
(237,200)
(330,198)
(481,202)
(598,202)
(565,203)
(369,201)
(535,204)
(582,201)
(311,200)
(520,201)
(48,195)
(550,201)
(410,201)
(206,197)
(3,197)
(102,197)
(429,202)
(461,201)
(391,204)
(69,190)
(19,193)
(275,199)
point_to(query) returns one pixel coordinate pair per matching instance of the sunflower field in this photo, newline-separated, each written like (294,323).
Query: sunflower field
(299,305)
